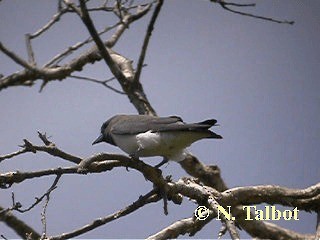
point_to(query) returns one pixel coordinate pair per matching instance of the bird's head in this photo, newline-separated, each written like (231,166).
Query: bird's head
(105,133)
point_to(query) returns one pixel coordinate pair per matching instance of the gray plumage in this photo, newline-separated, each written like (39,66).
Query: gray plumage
(145,136)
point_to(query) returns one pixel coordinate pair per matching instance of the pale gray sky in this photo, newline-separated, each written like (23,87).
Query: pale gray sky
(259,79)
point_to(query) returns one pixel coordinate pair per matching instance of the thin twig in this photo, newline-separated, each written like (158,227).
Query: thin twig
(11,155)
(100,45)
(97,163)
(235,4)
(44,218)
(58,58)
(146,40)
(28,78)
(30,50)
(44,138)
(102,8)
(56,17)
(120,67)
(131,6)
(52,150)
(181,227)
(150,197)
(224,6)
(46,194)
(9,178)
(103,82)
(44,210)
(118,10)
(19,60)
(20,227)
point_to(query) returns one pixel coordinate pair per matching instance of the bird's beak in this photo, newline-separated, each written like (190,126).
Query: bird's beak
(99,139)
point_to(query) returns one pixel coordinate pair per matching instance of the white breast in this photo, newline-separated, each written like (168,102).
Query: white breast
(127,143)
(167,144)
(142,144)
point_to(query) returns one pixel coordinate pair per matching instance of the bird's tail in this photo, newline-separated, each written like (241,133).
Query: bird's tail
(209,122)
(205,125)
(214,135)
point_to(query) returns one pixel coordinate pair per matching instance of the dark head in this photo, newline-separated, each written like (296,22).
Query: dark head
(105,135)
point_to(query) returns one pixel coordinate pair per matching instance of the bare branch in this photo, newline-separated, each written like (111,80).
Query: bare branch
(19,60)
(188,187)
(224,5)
(267,230)
(150,197)
(146,40)
(30,50)
(9,178)
(52,150)
(100,45)
(301,198)
(236,4)
(21,228)
(44,218)
(27,78)
(117,9)
(229,224)
(49,148)
(46,194)
(58,58)
(133,89)
(122,69)
(11,155)
(102,82)
(94,164)
(184,226)
(56,17)
(209,175)
(44,210)
(44,139)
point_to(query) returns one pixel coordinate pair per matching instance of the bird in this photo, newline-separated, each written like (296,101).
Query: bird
(148,136)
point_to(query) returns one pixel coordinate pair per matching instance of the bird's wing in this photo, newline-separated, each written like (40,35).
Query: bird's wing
(139,124)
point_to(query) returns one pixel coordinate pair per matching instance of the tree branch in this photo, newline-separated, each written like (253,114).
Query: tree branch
(46,194)
(30,50)
(146,40)
(101,47)
(150,197)
(302,198)
(224,5)
(27,78)
(21,228)
(189,188)
(56,17)
(133,89)
(102,82)
(11,155)
(58,58)
(184,226)
(19,60)
(122,69)
(209,175)
(229,224)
